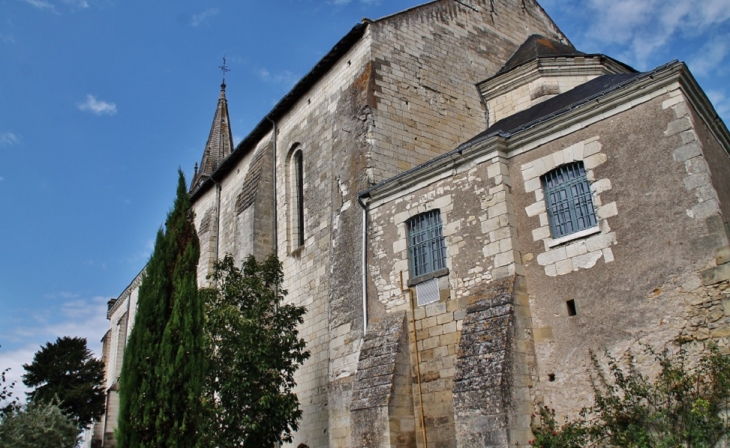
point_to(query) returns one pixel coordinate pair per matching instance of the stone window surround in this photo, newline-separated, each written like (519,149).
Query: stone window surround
(295,218)
(444,205)
(579,250)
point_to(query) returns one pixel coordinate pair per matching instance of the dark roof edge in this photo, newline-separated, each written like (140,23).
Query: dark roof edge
(283,106)
(129,288)
(504,135)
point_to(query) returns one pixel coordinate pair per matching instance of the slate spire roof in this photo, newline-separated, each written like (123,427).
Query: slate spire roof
(537,46)
(219,144)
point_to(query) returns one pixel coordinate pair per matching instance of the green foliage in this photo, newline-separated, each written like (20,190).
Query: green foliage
(164,364)
(685,406)
(8,401)
(254,352)
(66,371)
(38,425)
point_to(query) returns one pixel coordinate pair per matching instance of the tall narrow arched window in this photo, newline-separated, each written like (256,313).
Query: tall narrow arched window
(299,192)
(295,199)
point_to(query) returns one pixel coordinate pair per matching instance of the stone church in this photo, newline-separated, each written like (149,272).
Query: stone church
(466,204)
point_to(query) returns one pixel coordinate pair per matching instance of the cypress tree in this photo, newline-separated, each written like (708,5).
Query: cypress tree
(164,366)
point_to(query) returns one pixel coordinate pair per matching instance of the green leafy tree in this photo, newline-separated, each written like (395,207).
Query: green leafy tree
(164,365)
(66,371)
(254,351)
(685,406)
(38,425)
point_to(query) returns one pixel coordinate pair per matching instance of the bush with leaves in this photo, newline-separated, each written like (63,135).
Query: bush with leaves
(38,425)
(66,371)
(254,352)
(685,406)
(8,401)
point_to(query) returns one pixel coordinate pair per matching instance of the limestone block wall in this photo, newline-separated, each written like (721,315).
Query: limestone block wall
(662,224)
(475,205)
(426,61)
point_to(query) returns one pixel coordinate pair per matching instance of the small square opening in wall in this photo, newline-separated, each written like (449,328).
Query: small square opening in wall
(570,305)
(551,377)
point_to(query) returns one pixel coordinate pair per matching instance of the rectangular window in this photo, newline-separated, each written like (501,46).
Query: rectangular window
(569,199)
(426,246)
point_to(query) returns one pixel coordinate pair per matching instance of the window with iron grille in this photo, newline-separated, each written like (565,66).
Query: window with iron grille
(569,200)
(426,246)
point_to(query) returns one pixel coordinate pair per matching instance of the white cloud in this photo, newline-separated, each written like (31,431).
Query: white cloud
(83,4)
(203,16)
(42,5)
(97,107)
(9,139)
(46,5)
(710,55)
(7,39)
(644,31)
(2,178)
(284,77)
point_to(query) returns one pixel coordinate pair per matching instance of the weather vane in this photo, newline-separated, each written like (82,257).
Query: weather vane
(224,68)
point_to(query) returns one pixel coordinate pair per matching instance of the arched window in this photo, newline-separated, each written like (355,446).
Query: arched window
(569,199)
(296,198)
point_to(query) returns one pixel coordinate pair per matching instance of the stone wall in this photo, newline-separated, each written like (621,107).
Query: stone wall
(664,226)
(426,61)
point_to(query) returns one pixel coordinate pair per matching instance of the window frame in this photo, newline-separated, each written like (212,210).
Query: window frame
(569,201)
(426,241)
(295,198)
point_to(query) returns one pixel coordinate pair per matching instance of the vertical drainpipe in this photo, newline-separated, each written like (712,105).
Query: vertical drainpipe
(364,265)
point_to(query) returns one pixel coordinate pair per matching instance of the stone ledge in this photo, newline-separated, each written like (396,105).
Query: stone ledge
(426,277)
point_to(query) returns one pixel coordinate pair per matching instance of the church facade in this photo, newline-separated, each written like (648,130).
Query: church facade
(466,205)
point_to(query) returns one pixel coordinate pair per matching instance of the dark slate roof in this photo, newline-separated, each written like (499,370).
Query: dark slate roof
(537,46)
(558,104)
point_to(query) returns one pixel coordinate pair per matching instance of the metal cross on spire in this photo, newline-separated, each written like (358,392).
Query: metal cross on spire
(224,68)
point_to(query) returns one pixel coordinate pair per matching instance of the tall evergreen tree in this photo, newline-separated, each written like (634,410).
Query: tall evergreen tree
(162,373)
(66,371)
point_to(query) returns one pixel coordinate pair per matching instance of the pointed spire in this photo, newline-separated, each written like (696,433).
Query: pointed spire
(220,141)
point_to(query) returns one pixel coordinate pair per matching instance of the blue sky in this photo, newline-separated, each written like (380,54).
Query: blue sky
(102,100)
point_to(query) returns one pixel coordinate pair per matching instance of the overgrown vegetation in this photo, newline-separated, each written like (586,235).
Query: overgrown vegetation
(254,350)
(38,425)
(685,406)
(66,371)
(164,364)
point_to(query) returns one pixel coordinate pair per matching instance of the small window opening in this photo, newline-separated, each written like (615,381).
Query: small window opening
(551,377)
(571,307)
(299,167)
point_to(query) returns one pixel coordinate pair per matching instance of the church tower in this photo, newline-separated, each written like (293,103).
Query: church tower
(220,140)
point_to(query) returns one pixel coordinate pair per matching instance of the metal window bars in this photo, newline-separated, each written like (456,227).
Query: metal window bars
(569,199)
(426,245)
